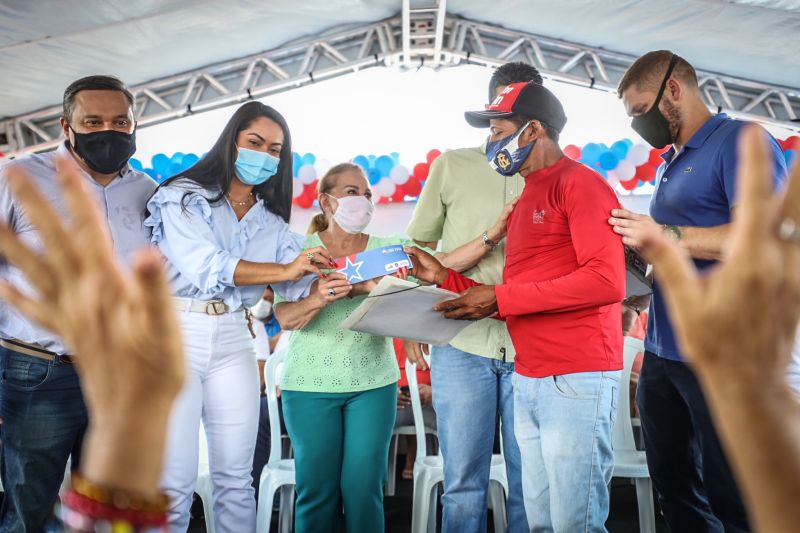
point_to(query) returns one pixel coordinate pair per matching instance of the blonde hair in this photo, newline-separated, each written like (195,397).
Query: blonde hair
(325,185)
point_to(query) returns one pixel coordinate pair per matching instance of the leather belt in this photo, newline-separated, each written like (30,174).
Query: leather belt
(34,350)
(209,307)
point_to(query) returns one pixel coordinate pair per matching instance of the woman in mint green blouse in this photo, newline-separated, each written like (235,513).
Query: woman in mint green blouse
(339,387)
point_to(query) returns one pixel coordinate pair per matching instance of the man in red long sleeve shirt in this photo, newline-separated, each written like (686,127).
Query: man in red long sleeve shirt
(562,286)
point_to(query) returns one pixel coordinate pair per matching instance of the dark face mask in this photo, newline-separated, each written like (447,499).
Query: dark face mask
(105,151)
(652,125)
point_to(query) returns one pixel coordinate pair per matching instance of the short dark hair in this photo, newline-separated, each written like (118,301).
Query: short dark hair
(93,83)
(520,120)
(647,72)
(514,72)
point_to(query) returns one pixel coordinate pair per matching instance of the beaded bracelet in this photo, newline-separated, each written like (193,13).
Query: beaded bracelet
(86,505)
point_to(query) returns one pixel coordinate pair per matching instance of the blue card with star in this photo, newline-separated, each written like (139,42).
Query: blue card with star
(373,263)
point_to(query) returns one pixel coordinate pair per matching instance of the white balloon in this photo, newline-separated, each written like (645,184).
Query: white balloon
(399,175)
(625,170)
(322,166)
(638,155)
(385,187)
(307,174)
(297,188)
(612,179)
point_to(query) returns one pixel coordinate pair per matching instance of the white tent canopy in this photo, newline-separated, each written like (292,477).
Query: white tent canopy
(45,44)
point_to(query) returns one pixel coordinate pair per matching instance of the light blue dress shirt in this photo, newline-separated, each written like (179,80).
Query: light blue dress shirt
(204,242)
(122,201)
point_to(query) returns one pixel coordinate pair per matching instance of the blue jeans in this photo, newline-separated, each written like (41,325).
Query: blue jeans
(44,419)
(468,393)
(563,426)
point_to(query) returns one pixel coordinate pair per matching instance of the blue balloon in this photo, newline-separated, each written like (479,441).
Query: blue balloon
(161,163)
(177,158)
(309,159)
(152,173)
(608,160)
(361,161)
(372,159)
(590,153)
(373,176)
(135,164)
(384,165)
(620,150)
(189,160)
(297,162)
(395,157)
(602,172)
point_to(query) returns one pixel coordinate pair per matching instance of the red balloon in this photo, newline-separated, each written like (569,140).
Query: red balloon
(572,151)
(305,202)
(399,194)
(791,143)
(432,155)
(645,172)
(413,186)
(655,156)
(630,184)
(421,171)
(383,200)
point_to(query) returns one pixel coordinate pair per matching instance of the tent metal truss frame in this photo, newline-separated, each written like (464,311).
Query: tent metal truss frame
(422,36)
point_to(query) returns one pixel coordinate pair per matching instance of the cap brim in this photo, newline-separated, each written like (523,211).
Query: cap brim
(480,119)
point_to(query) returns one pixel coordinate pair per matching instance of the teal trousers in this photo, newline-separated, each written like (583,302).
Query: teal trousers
(341,447)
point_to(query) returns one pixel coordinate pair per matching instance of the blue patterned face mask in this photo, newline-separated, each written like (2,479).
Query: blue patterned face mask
(255,168)
(505,156)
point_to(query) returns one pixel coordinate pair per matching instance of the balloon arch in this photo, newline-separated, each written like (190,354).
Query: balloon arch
(629,168)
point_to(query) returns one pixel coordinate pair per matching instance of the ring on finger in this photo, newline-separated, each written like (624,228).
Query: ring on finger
(310,256)
(789,231)
(331,292)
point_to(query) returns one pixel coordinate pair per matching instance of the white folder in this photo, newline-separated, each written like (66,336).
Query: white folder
(404,310)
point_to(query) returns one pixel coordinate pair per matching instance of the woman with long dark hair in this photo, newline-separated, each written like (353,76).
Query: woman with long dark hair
(223,227)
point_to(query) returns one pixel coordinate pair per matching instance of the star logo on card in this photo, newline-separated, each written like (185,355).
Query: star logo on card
(352,270)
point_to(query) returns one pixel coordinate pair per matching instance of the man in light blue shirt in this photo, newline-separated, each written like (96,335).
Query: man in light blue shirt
(41,405)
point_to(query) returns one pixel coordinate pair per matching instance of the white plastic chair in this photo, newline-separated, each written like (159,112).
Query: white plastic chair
(278,473)
(628,461)
(203,486)
(429,472)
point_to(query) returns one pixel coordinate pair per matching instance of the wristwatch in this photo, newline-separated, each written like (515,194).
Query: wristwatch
(487,241)
(675,230)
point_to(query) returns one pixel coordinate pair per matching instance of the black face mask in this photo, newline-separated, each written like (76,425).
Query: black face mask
(105,151)
(652,125)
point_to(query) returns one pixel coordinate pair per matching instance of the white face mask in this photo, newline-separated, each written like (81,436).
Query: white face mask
(262,309)
(353,213)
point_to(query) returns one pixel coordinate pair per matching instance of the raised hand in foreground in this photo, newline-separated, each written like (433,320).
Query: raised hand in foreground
(121,325)
(737,326)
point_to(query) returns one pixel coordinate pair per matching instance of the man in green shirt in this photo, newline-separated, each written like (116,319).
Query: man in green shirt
(471,377)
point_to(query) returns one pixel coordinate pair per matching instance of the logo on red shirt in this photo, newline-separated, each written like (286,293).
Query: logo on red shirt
(538,217)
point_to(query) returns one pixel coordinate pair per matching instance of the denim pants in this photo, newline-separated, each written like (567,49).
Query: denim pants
(563,426)
(468,393)
(692,478)
(44,419)
(221,389)
(341,442)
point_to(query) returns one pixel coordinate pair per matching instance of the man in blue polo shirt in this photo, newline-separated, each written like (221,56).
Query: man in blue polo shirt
(693,201)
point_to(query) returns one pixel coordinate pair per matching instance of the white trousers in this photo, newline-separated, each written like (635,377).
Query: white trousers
(222,390)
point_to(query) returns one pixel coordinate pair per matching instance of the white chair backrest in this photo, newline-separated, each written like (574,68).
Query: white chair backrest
(272,377)
(622,438)
(416,407)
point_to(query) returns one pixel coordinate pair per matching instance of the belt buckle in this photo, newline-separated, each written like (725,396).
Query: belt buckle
(216,308)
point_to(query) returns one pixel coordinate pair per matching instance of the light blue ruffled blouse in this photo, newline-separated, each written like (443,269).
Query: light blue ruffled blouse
(203,243)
